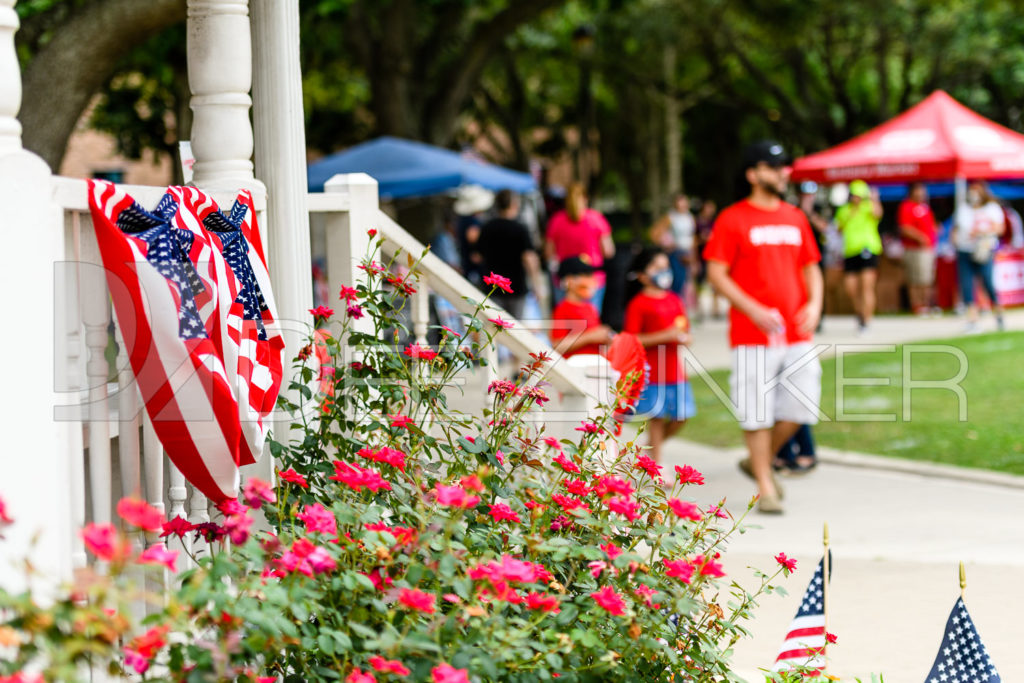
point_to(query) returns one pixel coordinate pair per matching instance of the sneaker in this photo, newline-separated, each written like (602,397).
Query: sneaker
(1000,323)
(863,330)
(971,328)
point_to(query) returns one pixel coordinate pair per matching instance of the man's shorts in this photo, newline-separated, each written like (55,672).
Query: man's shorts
(862,261)
(920,265)
(775,384)
(671,401)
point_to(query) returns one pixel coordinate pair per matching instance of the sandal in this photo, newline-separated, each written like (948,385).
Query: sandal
(797,468)
(745,467)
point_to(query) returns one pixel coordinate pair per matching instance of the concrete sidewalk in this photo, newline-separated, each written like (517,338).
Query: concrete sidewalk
(897,539)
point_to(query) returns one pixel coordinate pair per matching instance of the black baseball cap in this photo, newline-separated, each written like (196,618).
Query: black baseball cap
(768,151)
(574,265)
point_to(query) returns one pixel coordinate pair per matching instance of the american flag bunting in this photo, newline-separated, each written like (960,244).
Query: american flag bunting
(198,326)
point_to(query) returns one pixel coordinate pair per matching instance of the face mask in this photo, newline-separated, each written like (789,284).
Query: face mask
(662,279)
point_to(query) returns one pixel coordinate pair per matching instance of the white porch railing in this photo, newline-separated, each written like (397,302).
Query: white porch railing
(109,429)
(79,439)
(340,217)
(113,449)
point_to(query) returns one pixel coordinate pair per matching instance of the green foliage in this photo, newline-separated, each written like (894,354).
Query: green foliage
(404,530)
(145,105)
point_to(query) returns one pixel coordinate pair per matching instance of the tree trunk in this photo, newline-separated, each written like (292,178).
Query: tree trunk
(83,54)
(391,72)
(457,82)
(653,143)
(673,132)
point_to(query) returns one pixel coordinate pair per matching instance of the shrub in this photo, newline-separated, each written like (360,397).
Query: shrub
(409,542)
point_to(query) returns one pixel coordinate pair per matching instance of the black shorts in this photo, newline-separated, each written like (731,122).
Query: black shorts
(862,261)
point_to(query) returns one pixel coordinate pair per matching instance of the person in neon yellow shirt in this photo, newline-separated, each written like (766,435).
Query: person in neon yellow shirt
(858,222)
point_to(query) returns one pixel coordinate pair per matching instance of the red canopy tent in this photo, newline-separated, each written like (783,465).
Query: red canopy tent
(937,139)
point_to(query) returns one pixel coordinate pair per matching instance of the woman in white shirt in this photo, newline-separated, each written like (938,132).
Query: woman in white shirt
(676,233)
(976,234)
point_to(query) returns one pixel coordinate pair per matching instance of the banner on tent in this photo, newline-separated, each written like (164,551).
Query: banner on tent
(1008,273)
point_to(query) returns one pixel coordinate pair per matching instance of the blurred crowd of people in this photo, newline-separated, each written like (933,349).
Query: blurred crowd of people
(763,259)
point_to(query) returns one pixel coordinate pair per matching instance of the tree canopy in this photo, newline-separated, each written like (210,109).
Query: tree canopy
(647,97)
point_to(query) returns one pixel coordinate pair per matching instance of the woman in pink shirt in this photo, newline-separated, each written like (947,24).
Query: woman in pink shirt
(583,232)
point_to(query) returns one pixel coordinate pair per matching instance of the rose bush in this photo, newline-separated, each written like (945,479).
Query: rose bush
(405,541)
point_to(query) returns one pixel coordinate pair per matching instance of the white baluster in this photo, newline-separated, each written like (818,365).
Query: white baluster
(10,80)
(130,460)
(198,513)
(421,312)
(129,454)
(220,75)
(153,484)
(67,284)
(68,274)
(490,354)
(199,507)
(96,318)
(153,466)
(177,494)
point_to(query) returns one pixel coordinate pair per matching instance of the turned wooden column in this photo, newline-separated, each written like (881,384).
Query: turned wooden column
(220,77)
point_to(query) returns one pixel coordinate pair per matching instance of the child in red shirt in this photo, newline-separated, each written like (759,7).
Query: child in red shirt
(576,325)
(658,319)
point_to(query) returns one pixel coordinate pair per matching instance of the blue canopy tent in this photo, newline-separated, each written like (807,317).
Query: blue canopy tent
(404,168)
(1009,191)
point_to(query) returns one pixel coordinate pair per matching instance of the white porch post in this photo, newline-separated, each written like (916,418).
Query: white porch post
(281,161)
(281,165)
(347,240)
(220,76)
(34,470)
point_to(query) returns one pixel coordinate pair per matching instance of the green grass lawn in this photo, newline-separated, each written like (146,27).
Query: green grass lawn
(870,419)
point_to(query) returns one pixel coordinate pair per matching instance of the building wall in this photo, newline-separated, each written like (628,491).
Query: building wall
(90,152)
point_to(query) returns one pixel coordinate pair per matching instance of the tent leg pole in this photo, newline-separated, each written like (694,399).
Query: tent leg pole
(959,192)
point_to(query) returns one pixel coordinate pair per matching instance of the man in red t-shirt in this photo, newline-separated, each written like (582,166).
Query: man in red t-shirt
(762,257)
(917,229)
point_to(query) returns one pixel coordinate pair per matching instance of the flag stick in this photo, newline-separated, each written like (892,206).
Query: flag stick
(824,582)
(963,583)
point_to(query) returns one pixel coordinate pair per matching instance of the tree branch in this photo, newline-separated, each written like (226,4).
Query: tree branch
(455,82)
(83,55)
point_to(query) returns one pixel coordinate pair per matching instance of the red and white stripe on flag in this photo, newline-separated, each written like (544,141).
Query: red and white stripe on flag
(249,333)
(197,316)
(158,295)
(804,644)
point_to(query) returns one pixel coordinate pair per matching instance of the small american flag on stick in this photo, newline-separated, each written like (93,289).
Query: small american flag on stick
(962,657)
(805,643)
